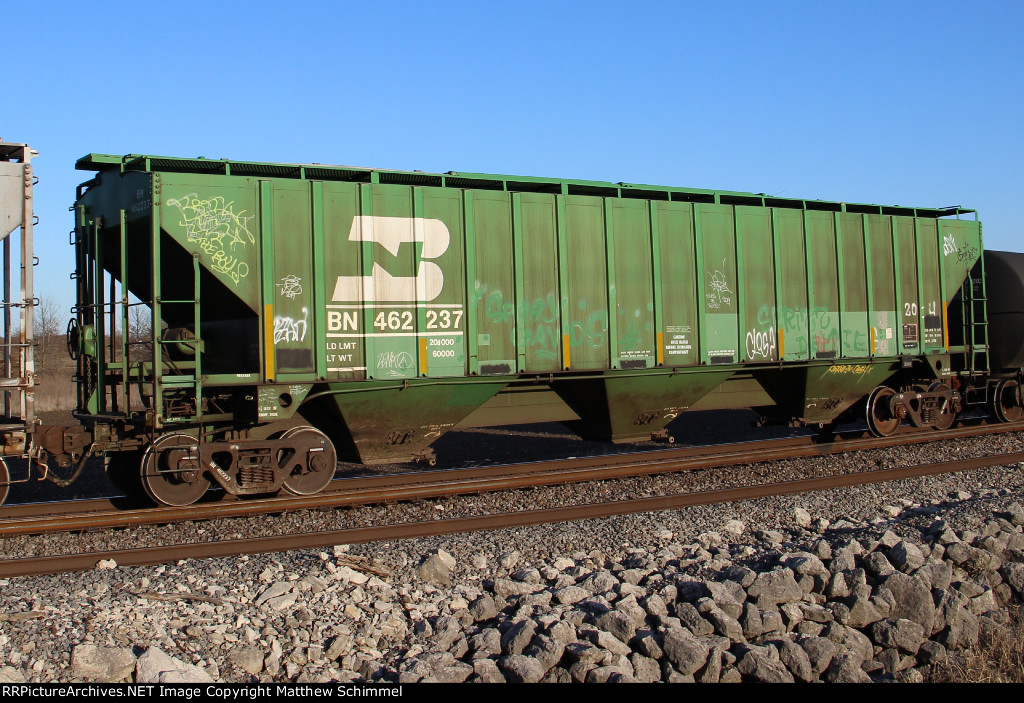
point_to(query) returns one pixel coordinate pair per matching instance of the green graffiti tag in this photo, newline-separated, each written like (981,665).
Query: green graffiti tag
(813,332)
(537,321)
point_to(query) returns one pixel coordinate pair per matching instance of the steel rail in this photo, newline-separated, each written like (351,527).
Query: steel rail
(351,485)
(404,478)
(440,483)
(853,441)
(309,540)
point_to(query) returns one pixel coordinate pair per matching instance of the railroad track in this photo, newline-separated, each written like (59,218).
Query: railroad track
(19,520)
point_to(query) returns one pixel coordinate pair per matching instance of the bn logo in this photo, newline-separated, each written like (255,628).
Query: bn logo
(391,233)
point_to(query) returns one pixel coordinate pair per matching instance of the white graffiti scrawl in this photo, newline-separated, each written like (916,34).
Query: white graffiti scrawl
(761,344)
(949,245)
(218,230)
(718,287)
(291,286)
(287,329)
(395,362)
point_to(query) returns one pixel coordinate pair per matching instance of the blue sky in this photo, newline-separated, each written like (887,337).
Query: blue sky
(907,103)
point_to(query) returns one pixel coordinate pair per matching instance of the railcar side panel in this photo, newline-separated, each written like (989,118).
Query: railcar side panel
(756,284)
(541,301)
(394,282)
(588,295)
(792,312)
(853,319)
(720,331)
(631,316)
(492,287)
(884,331)
(773,284)
(441,309)
(342,278)
(905,245)
(823,295)
(289,280)
(931,299)
(678,299)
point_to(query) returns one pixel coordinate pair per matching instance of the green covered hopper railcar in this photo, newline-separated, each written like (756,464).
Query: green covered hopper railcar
(295,311)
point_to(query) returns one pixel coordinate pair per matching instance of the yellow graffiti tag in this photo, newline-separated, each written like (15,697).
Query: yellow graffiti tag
(217,229)
(858,369)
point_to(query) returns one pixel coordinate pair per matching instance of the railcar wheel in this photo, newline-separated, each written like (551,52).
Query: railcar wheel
(881,423)
(1006,401)
(124,469)
(947,416)
(309,472)
(171,473)
(5,482)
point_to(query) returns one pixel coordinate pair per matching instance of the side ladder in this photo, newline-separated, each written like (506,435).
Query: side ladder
(976,329)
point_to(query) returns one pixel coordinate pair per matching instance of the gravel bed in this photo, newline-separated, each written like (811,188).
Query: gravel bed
(334,619)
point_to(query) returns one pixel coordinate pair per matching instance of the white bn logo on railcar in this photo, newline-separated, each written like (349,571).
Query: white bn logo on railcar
(391,233)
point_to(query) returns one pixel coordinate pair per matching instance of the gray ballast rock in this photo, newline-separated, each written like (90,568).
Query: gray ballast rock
(878,608)
(846,603)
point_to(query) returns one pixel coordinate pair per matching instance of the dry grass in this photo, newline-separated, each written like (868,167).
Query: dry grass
(998,658)
(55,392)
(54,388)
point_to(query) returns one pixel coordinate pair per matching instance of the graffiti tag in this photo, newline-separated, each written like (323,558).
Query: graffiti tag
(291,286)
(719,294)
(214,226)
(949,245)
(394,361)
(761,344)
(287,329)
